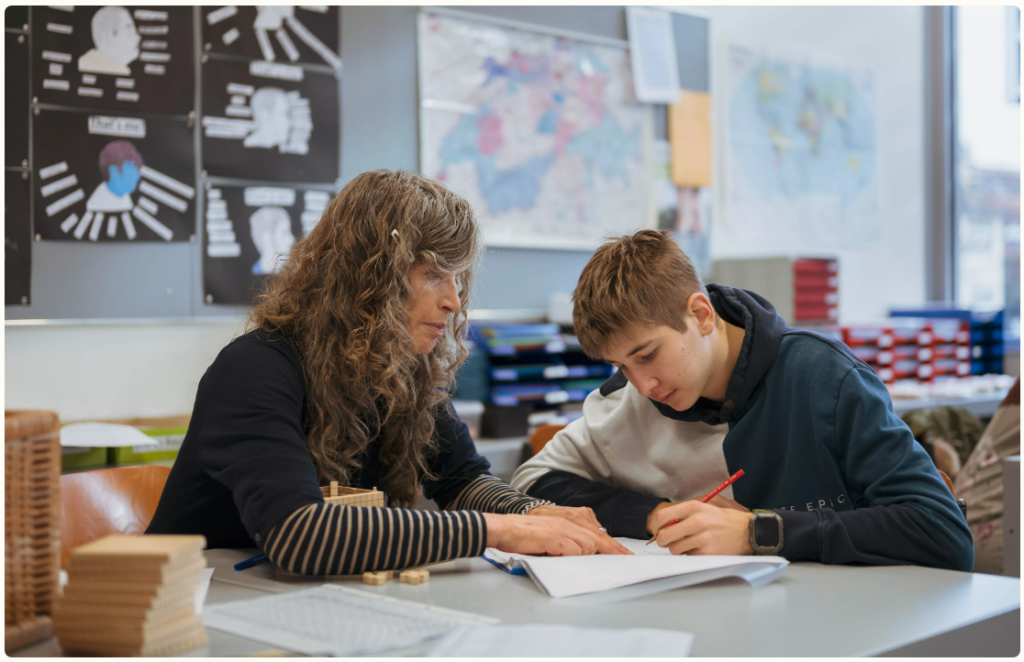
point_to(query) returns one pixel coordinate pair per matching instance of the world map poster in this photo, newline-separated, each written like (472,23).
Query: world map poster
(801,152)
(542,134)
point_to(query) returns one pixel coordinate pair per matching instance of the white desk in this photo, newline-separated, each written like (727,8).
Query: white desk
(816,610)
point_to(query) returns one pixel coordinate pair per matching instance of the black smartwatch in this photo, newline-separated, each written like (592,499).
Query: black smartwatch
(765,532)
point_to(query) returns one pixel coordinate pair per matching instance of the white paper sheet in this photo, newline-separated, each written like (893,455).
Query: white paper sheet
(638,547)
(338,621)
(566,576)
(641,548)
(652,50)
(206,574)
(562,641)
(103,435)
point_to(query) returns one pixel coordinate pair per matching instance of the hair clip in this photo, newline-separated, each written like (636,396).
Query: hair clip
(394,233)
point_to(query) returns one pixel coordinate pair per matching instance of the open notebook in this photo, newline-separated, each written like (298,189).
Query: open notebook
(652,569)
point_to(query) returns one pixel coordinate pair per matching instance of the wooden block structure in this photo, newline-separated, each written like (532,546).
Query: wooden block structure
(32,456)
(418,576)
(132,596)
(352,496)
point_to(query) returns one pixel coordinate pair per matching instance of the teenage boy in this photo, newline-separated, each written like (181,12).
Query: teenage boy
(711,381)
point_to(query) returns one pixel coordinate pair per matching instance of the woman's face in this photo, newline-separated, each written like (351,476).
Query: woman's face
(435,296)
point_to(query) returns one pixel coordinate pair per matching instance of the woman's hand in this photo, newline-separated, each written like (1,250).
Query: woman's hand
(554,536)
(701,528)
(583,516)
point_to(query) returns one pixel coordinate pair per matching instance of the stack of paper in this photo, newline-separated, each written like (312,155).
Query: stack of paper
(132,595)
(652,569)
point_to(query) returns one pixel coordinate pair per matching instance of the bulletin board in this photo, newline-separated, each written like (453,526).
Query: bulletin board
(375,125)
(108,167)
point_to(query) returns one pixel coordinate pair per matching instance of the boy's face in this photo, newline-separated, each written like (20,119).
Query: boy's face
(671,367)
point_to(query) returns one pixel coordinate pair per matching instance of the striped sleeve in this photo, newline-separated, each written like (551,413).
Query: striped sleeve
(329,539)
(493,495)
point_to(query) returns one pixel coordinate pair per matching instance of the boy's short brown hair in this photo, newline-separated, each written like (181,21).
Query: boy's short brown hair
(644,278)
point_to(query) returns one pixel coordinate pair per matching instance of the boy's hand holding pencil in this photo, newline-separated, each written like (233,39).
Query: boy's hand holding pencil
(713,525)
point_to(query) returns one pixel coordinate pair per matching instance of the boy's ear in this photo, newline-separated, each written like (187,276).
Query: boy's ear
(700,308)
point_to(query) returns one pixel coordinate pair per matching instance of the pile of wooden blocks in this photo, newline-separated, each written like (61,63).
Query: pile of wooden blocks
(32,524)
(352,496)
(132,595)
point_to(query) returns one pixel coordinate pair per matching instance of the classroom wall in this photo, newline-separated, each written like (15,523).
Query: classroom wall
(380,127)
(891,39)
(110,371)
(122,371)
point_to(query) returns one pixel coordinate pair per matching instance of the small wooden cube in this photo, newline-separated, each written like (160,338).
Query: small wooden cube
(334,488)
(377,578)
(414,576)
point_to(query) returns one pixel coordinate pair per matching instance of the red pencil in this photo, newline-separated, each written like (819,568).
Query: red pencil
(715,492)
(711,495)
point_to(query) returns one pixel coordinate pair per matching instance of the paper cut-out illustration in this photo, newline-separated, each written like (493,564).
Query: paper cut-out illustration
(121,169)
(282,22)
(116,43)
(249,233)
(272,17)
(271,230)
(282,120)
(96,176)
(269,122)
(279,119)
(124,58)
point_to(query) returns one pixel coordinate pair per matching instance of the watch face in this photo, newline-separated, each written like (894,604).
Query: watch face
(766,531)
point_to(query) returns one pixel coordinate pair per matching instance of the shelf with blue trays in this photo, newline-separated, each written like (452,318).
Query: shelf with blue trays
(534,365)
(521,373)
(552,393)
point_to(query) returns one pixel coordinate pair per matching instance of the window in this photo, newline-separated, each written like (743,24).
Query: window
(987,161)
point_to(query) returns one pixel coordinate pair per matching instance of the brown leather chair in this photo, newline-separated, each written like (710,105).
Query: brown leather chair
(542,435)
(106,502)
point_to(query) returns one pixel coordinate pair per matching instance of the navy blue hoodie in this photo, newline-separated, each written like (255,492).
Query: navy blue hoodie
(814,430)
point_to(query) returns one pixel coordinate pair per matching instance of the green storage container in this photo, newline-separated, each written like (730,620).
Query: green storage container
(168,444)
(74,457)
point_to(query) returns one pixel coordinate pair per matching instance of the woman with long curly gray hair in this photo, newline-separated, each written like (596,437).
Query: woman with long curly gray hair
(344,377)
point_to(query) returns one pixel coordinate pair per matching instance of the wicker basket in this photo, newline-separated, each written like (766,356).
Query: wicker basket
(32,517)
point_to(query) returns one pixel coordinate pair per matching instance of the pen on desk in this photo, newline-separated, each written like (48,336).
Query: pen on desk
(711,495)
(248,563)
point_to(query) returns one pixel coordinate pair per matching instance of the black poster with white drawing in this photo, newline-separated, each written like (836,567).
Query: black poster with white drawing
(247,233)
(307,35)
(16,108)
(17,239)
(114,58)
(269,121)
(113,178)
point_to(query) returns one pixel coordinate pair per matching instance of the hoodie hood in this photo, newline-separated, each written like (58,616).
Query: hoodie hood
(763,333)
